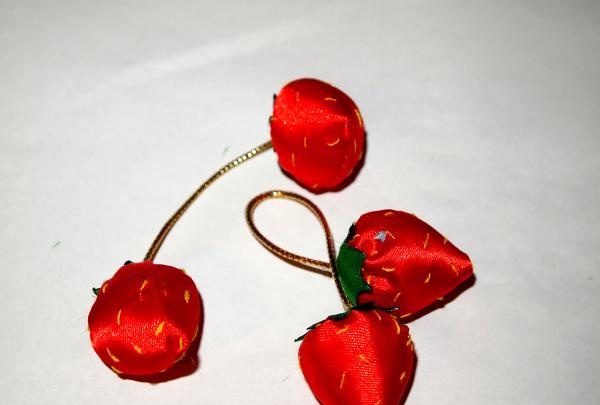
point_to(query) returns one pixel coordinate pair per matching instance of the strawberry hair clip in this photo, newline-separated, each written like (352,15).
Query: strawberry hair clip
(146,320)
(390,268)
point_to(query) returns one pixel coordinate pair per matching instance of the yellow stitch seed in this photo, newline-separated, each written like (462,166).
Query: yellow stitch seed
(368,279)
(378,402)
(137,349)
(387,214)
(186,296)
(397,296)
(428,278)
(305,140)
(374,252)
(355,146)
(344,329)
(397,326)
(180,344)
(195,332)
(455,270)
(330,99)
(445,241)
(144,283)
(342,380)
(315,185)
(406,315)
(360,121)
(426,242)
(334,142)
(293,159)
(183,270)
(388,269)
(116,370)
(403,376)
(363,358)
(159,328)
(356,236)
(104,288)
(119,317)
(378,316)
(409,341)
(391,234)
(112,356)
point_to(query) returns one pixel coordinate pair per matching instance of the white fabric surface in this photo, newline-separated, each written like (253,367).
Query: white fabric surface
(483,118)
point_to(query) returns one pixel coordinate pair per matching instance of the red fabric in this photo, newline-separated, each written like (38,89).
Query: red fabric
(317,133)
(145,318)
(409,265)
(365,358)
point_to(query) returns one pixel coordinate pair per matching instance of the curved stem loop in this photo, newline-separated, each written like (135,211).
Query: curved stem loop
(314,265)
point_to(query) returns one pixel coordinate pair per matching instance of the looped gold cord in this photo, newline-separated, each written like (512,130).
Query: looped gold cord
(160,238)
(317,266)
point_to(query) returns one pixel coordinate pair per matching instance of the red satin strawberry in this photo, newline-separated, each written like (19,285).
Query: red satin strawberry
(393,259)
(317,133)
(362,357)
(145,318)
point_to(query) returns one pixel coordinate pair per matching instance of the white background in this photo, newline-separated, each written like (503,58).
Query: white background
(483,118)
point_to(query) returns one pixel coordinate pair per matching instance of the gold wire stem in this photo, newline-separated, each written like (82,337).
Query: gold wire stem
(160,238)
(306,263)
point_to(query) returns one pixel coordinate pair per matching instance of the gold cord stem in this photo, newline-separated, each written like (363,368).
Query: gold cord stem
(160,238)
(317,266)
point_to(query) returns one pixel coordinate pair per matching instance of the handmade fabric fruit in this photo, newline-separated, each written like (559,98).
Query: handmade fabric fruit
(317,133)
(362,357)
(392,259)
(145,318)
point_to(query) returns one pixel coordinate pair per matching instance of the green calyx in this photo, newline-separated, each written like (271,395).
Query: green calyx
(349,264)
(338,317)
(335,317)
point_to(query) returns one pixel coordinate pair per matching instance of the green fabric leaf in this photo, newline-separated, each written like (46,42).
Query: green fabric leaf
(335,317)
(349,265)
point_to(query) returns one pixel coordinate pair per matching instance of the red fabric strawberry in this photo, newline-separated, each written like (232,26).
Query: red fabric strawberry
(317,133)
(362,357)
(393,259)
(145,318)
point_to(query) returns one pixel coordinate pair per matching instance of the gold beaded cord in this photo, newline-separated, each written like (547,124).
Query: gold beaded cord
(160,238)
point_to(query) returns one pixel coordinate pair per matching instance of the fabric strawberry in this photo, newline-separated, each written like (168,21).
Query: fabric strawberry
(145,318)
(392,259)
(317,133)
(362,357)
